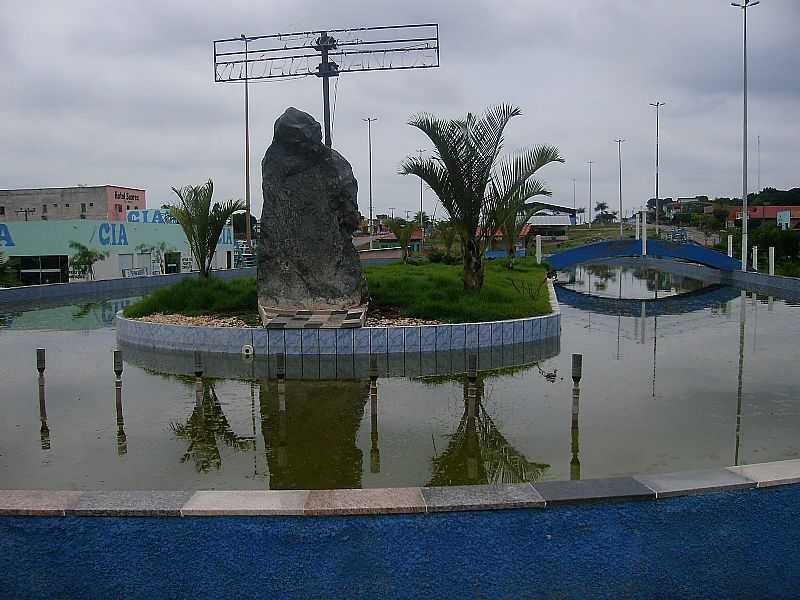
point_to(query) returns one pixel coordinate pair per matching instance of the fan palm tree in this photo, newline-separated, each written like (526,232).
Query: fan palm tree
(201,222)
(470,179)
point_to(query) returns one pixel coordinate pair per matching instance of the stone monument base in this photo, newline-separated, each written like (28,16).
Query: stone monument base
(279,318)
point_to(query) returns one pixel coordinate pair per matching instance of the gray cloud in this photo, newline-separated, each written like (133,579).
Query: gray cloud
(113,92)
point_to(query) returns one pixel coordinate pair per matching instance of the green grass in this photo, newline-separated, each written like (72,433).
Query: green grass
(193,297)
(436,291)
(426,291)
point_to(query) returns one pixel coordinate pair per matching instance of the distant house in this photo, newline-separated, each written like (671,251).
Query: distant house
(549,226)
(389,240)
(756,215)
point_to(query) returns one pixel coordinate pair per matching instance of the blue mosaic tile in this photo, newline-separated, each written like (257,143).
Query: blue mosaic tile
(443,363)
(344,342)
(413,368)
(294,366)
(292,338)
(361,366)
(276,341)
(484,335)
(344,366)
(378,340)
(412,339)
(397,365)
(427,335)
(260,344)
(519,335)
(443,338)
(458,360)
(497,334)
(527,330)
(427,363)
(361,341)
(327,341)
(327,366)
(458,337)
(508,332)
(310,339)
(471,336)
(311,366)
(396,339)
(537,330)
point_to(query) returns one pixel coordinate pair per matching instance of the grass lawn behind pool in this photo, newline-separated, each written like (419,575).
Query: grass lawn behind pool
(436,291)
(581,235)
(193,297)
(429,291)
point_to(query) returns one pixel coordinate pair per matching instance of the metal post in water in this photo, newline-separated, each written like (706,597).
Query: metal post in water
(575,463)
(375,452)
(730,246)
(772,260)
(538,249)
(44,430)
(280,360)
(577,367)
(118,363)
(40,360)
(472,367)
(122,439)
(638,218)
(755,259)
(198,364)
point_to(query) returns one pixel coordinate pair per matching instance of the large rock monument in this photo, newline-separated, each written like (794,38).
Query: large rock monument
(308,268)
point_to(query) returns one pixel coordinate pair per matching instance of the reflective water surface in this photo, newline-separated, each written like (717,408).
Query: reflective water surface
(676,375)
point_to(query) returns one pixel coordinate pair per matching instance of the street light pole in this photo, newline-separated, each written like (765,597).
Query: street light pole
(421,227)
(248,234)
(574,205)
(369,121)
(657,105)
(744,6)
(619,152)
(590,193)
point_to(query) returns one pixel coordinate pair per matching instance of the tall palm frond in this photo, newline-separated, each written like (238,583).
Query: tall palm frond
(201,222)
(469,179)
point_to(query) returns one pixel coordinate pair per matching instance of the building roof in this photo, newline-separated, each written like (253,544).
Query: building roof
(550,220)
(764,212)
(416,236)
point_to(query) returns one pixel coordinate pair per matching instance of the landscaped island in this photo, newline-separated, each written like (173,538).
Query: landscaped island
(429,291)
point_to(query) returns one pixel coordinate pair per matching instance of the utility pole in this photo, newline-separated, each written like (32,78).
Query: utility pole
(744,6)
(247,233)
(391,208)
(619,152)
(591,162)
(421,225)
(657,105)
(369,121)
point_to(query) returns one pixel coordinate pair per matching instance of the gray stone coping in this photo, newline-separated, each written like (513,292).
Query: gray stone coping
(380,501)
(342,342)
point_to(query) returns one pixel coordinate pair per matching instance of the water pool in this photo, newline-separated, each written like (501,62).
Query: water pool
(677,376)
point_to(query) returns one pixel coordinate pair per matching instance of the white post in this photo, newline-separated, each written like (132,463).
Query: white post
(644,234)
(538,249)
(637,225)
(755,259)
(772,260)
(730,246)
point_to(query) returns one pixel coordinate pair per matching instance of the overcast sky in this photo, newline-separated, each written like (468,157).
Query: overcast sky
(123,92)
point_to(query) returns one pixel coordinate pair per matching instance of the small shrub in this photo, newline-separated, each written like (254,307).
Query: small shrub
(199,297)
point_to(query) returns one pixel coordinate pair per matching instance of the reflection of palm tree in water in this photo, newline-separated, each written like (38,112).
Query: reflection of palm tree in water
(204,428)
(478,453)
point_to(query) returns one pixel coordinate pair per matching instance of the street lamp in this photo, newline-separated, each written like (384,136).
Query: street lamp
(657,105)
(744,5)
(369,121)
(591,162)
(247,232)
(619,152)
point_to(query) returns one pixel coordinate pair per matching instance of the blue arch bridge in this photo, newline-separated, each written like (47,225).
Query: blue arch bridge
(687,252)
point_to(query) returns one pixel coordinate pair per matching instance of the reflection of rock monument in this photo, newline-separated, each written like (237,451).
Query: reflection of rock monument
(310,429)
(307,260)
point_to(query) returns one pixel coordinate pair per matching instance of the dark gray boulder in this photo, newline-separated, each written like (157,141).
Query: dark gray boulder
(306,258)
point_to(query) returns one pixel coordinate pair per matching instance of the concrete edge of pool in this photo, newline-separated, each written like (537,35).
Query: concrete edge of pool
(386,501)
(347,342)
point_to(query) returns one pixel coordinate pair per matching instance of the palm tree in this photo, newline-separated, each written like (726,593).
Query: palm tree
(202,223)
(448,234)
(470,180)
(82,262)
(403,231)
